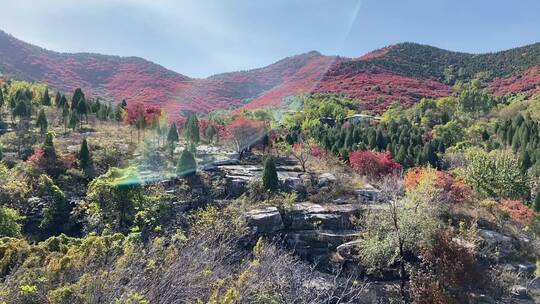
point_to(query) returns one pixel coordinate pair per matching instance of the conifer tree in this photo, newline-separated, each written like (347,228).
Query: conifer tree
(1,153)
(56,214)
(46,99)
(78,96)
(48,146)
(1,101)
(58,100)
(192,130)
(82,110)
(524,160)
(186,165)
(536,205)
(84,154)
(210,133)
(172,138)
(73,120)
(123,104)
(270,178)
(41,122)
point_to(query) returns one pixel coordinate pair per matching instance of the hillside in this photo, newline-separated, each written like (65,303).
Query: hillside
(404,72)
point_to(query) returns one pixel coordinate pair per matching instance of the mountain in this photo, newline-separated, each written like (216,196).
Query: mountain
(403,72)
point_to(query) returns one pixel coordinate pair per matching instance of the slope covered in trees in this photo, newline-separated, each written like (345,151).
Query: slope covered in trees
(402,73)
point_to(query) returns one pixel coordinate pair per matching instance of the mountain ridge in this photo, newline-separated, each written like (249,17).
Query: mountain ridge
(403,72)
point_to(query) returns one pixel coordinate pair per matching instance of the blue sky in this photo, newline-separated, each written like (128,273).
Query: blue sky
(203,37)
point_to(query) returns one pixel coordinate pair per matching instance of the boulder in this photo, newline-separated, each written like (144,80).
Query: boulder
(306,216)
(326,179)
(368,194)
(500,243)
(266,220)
(317,245)
(348,251)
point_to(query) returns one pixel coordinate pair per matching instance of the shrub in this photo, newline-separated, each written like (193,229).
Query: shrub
(453,190)
(447,273)
(187,165)
(517,211)
(373,164)
(270,178)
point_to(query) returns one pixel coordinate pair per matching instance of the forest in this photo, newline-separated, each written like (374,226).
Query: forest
(104,202)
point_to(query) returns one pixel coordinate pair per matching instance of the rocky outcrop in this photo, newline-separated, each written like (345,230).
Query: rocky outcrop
(265,221)
(313,231)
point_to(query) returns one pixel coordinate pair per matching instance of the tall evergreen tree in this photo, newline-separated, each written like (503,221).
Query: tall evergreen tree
(73,120)
(58,100)
(536,205)
(41,122)
(192,130)
(1,100)
(172,137)
(82,110)
(84,154)
(46,99)
(78,96)
(48,146)
(56,214)
(210,133)
(269,175)
(187,165)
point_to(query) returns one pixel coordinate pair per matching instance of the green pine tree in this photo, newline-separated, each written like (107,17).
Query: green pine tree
(192,130)
(73,120)
(211,133)
(187,165)
(48,146)
(536,204)
(78,95)
(58,100)
(84,155)
(56,214)
(172,138)
(269,175)
(41,122)
(46,99)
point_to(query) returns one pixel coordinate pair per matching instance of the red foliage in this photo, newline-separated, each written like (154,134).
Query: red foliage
(447,272)
(317,151)
(527,82)
(454,189)
(518,211)
(136,110)
(244,132)
(373,164)
(38,157)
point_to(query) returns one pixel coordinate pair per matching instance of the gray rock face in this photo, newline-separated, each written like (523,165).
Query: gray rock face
(326,179)
(265,221)
(305,216)
(313,231)
(368,194)
(500,243)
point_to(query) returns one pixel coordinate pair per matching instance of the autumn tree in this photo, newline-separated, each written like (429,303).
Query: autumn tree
(245,133)
(373,164)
